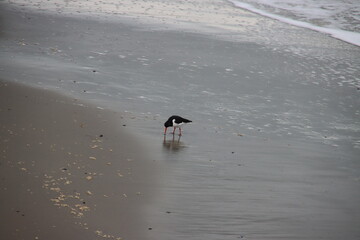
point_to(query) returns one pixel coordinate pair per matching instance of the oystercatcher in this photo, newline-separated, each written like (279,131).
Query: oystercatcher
(175,121)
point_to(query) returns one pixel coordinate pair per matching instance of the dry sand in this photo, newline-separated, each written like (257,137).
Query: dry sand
(67,170)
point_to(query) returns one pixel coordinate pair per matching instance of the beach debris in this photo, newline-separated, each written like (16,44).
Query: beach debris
(73,202)
(108,236)
(67,182)
(92,158)
(54,49)
(89,193)
(89,178)
(22,214)
(55,189)
(82,207)
(22,42)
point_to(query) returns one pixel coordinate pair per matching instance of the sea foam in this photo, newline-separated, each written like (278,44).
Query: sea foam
(344,35)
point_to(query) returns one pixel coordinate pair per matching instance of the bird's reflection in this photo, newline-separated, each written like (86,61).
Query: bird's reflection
(173,144)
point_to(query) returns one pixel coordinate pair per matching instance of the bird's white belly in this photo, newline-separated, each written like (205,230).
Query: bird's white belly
(177,124)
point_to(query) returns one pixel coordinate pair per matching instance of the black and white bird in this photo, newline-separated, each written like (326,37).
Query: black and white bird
(175,122)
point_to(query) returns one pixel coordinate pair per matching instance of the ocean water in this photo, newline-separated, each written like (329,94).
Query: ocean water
(340,19)
(274,146)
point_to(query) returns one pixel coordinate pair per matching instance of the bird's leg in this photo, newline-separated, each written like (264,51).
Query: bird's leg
(174,130)
(180,131)
(165,130)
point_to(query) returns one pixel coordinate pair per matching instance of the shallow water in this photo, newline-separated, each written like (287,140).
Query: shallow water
(273,149)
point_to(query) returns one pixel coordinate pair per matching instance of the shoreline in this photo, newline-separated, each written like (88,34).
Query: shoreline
(68,170)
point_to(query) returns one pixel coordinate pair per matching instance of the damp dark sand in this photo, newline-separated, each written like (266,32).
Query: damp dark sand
(68,171)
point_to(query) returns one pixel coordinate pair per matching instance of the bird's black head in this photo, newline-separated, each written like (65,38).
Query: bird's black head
(167,124)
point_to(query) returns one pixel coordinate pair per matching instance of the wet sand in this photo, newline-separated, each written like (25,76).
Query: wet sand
(68,170)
